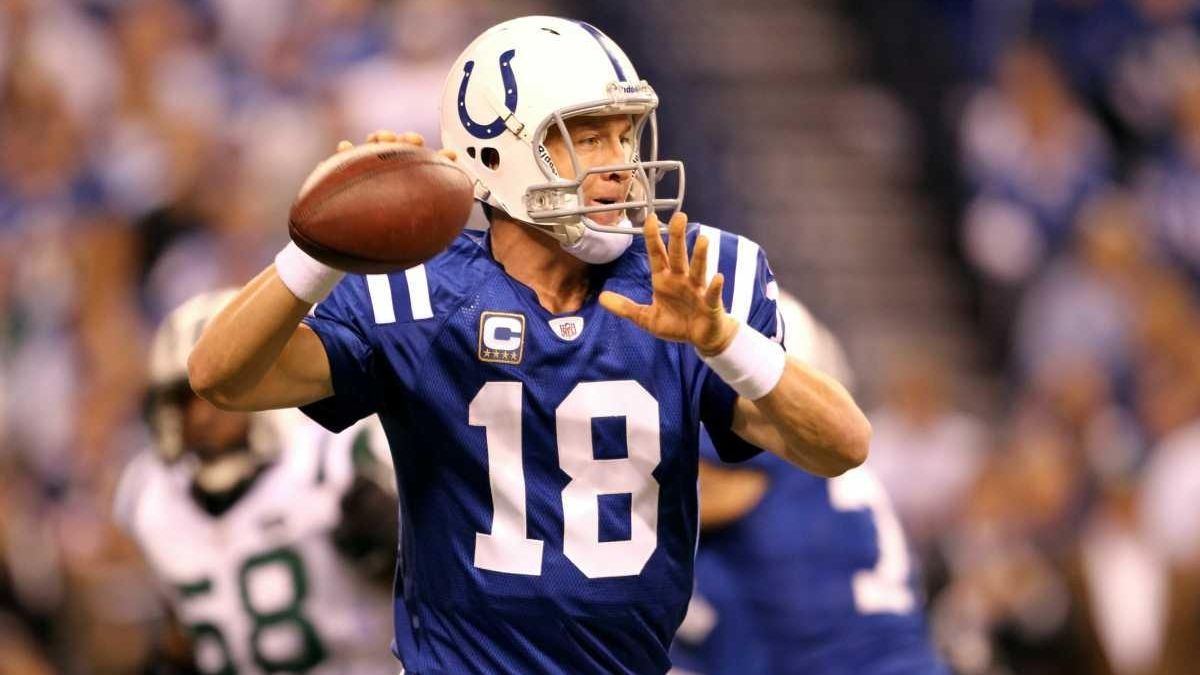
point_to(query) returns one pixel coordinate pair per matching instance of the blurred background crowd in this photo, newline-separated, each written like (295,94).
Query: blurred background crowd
(989,201)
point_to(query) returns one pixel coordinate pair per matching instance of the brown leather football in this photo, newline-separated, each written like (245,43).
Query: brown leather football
(380,207)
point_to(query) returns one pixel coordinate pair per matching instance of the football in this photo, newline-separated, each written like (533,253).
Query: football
(380,207)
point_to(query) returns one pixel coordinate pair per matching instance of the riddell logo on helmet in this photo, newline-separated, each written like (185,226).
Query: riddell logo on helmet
(545,155)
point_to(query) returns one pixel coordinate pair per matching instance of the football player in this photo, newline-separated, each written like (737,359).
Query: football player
(548,474)
(273,538)
(798,573)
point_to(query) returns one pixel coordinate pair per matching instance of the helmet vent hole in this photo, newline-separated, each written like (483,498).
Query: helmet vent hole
(551,30)
(490,158)
(471,152)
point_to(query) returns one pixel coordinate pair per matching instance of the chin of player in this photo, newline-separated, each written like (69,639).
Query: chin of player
(606,218)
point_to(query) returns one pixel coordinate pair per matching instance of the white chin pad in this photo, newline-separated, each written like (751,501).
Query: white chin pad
(598,248)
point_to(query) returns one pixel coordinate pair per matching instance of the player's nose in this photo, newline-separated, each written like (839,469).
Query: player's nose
(618,176)
(614,159)
(615,152)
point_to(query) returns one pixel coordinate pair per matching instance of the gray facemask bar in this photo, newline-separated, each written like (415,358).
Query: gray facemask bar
(546,202)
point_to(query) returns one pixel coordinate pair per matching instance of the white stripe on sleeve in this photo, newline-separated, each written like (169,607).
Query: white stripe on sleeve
(418,293)
(713,235)
(380,289)
(744,275)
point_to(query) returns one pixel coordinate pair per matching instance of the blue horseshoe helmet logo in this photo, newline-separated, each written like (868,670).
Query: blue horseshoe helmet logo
(496,127)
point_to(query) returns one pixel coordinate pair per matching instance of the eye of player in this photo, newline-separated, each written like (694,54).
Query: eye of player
(592,136)
(589,140)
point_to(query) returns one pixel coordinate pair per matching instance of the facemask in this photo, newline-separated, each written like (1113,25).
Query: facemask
(598,248)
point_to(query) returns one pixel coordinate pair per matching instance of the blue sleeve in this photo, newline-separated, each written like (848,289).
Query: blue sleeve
(352,357)
(708,452)
(749,295)
(763,462)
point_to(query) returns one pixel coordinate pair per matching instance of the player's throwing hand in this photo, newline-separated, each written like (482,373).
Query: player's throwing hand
(388,136)
(683,308)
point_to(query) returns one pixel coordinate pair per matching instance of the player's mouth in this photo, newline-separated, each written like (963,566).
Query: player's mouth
(604,217)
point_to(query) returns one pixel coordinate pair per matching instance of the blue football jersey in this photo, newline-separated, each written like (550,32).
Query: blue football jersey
(818,575)
(718,635)
(546,463)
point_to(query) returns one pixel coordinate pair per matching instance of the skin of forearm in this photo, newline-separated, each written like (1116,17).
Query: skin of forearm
(813,422)
(244,340)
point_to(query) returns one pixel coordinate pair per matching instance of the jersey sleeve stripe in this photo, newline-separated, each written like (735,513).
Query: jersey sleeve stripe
(418,293)
(713,235)
(380,289)
(744,275)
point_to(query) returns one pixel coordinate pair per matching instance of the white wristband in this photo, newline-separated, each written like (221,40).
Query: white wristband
(752,364)
(306,277)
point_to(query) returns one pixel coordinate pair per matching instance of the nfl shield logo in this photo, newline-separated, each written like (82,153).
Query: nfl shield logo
(567,328)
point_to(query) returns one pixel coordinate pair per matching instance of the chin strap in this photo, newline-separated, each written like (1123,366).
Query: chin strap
(214,501)
(225,473)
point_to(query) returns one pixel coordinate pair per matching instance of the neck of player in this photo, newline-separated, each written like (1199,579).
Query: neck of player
(559,279)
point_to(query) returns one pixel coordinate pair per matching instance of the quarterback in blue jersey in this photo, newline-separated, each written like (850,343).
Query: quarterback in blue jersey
(542,384)
(797,573)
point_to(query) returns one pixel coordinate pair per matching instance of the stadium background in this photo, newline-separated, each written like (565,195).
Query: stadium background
(995,204)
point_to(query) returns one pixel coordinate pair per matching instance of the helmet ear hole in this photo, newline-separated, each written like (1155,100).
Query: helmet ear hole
(490,158)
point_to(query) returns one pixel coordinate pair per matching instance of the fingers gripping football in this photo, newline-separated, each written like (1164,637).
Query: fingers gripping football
(683,307)
(388,136)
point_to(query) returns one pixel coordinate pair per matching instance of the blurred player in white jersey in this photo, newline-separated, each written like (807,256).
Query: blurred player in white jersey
(273,538)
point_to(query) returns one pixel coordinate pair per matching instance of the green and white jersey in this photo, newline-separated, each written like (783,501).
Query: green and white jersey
(261,587)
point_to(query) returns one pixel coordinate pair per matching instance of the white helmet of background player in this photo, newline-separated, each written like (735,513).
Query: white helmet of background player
(513,84)
(810,341)
(170,394)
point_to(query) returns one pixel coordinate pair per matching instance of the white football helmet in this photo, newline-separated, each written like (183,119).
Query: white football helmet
(169,389)
(522,76)
(807,339)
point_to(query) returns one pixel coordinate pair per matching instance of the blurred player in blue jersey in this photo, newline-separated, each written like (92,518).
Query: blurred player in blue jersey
(798,573)
(545,380)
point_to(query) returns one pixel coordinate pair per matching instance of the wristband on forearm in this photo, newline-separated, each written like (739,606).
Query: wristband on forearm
(306,277)
(752,364)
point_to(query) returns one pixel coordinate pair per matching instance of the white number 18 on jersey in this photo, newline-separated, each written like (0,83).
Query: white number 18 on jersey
(497,408)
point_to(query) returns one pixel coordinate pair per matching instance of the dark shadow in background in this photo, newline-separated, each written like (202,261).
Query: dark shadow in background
(913,52)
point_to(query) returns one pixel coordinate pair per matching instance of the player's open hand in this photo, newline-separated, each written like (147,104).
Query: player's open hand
(386,136)
(683,308)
